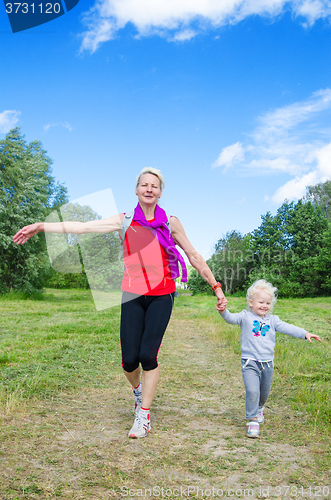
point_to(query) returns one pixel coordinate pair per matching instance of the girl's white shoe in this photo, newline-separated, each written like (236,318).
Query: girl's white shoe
(253,429)
(260,417)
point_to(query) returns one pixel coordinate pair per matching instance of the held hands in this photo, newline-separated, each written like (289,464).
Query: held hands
(310,336)
(221,301)
(27,232)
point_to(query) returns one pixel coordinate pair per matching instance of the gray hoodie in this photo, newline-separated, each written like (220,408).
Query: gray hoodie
(258,335)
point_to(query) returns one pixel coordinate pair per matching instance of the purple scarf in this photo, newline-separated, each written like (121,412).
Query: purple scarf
(161,232)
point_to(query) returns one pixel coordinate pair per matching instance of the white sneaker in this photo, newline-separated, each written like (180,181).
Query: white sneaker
(140,428)
(253,429)
(260,417)
(137,402)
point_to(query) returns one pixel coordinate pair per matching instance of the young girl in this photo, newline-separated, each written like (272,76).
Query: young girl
(258,334)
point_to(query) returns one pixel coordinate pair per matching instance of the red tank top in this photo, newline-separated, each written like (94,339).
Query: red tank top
(147,269)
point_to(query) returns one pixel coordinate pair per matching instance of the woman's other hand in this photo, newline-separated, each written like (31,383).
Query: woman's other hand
(27,232)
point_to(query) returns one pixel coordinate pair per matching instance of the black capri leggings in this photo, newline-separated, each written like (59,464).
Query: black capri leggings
(144,320)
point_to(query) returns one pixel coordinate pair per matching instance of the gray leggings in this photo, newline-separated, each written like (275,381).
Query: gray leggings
(257,379)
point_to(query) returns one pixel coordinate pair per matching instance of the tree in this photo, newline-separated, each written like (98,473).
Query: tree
(306,229)
(228,264)
(95,256)
(197,284)
(286,247)
(28,193)
(320,195)
(267,244)
(322,263)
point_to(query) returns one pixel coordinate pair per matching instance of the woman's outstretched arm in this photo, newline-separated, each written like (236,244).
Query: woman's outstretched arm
(108,225)
(196,260)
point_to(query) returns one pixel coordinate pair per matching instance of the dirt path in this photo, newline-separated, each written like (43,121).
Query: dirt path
(76,446)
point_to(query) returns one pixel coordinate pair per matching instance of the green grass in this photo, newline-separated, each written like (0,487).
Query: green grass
(66,406)
(61,343)
(55,344)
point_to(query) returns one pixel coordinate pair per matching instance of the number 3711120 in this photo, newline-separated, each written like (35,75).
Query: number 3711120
(32,8)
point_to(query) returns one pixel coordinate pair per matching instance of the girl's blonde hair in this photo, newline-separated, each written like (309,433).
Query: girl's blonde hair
(267,287)
(154,171)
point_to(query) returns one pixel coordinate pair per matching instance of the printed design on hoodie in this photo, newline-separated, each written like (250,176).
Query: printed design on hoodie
(260,328)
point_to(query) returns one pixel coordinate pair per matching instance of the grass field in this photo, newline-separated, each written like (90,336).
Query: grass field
(65,407)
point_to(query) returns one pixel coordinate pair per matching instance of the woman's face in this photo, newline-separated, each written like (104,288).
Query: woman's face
(148,190)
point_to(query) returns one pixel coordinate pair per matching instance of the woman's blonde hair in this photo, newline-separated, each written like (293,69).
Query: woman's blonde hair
(267,287)
(154,171)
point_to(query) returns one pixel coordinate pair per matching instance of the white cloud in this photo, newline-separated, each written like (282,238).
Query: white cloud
(292,140)
(184,35)
(313,9)
(295,188)
(99,30)
(229,155)
(48,126)
(280,164)
(323,157)
(67,126)
(275,122)
(174,18)
(243,200)
(64,125)
(8,120)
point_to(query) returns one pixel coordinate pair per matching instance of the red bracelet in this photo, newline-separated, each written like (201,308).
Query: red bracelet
(218,285)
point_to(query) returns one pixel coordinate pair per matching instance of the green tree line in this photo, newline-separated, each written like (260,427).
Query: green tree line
(29,194)
(291,249)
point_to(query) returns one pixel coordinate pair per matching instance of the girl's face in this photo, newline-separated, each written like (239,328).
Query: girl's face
(260,303)
(148,190)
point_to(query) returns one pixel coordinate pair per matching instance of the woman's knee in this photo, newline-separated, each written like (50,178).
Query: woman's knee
(130,364)
(148,362)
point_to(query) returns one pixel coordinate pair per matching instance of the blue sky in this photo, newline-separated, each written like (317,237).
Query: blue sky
(232,101)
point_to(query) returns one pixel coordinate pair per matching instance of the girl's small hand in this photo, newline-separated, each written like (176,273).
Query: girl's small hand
(26,232)
(222,306)
(310,336)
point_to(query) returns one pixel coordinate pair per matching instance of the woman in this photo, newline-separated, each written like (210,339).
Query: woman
(151,266)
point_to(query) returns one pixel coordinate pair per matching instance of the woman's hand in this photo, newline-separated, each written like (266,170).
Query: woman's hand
(221,300)
(27,232)
(221,304)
